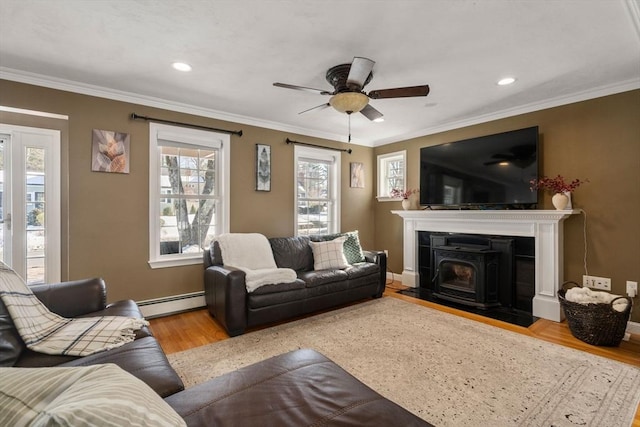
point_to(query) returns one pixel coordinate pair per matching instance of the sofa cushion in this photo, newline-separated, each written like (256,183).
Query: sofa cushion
(352,249)
(322,277)
(279,287)
(329,255)
(362,269)
(276,298)
(292,252)
(103,395)
(144,359)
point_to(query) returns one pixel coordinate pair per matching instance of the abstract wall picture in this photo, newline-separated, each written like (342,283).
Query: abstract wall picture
(263,167)
(357,175)
(110,151)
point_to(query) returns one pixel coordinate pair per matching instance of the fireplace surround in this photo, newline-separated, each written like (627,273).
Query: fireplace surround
(545,226)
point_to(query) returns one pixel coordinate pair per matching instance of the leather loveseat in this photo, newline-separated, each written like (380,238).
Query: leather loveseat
(236,309)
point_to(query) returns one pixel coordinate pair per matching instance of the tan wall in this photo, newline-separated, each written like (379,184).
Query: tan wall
(597,139)
(107,214)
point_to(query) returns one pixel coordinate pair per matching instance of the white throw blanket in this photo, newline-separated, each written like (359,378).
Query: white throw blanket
(46,332)
(587,296)
(251,253)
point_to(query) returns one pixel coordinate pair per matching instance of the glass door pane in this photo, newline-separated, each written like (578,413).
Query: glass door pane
(35,201)
(4,139)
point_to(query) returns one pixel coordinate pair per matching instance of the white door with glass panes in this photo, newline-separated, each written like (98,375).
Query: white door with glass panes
(30,202)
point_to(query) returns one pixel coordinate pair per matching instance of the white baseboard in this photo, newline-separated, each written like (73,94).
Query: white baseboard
(633,328)
(174,304)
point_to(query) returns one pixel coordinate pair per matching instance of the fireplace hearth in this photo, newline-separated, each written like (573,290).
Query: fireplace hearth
(467,275)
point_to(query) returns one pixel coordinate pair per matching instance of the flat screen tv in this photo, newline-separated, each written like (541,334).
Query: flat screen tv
(491,172)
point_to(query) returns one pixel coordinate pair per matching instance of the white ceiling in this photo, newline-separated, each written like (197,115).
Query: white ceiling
(559,51)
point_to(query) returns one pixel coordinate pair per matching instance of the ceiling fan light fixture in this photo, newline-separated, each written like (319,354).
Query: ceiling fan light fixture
(349,102)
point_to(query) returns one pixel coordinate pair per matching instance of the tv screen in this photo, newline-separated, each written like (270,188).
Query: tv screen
(489,171)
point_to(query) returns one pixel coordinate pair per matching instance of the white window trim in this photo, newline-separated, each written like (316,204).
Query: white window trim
(382,160)
(187,136)
(334,182)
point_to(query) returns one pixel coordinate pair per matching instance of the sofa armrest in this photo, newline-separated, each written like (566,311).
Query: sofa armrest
(380,258)
(225,293)
(75,298)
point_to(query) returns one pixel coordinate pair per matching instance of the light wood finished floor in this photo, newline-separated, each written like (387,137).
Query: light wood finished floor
(196,328)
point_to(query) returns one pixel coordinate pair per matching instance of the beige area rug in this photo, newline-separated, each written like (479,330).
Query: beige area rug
(449,370)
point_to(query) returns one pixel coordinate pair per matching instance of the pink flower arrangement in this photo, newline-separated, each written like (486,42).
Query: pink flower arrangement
(405,194)
(556,185)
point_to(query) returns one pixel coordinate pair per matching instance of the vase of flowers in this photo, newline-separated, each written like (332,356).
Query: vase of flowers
(560,189)
(405,195)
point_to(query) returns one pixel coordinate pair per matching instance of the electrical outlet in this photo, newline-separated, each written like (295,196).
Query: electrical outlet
(596,282)
(632,288)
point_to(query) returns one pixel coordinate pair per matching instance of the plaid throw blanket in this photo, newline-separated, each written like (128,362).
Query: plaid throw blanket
(46,332)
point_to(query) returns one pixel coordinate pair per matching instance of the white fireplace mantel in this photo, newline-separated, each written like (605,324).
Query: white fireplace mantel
(546,226)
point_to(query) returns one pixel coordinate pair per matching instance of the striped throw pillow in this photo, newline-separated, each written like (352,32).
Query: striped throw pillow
(97,395)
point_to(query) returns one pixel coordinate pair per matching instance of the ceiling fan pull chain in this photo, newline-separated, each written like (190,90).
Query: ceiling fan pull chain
(349,115)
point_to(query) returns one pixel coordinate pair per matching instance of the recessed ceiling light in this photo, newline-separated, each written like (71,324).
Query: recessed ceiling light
(506,81)
(379,119)
(181,66)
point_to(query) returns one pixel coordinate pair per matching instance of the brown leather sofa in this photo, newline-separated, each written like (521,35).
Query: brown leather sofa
(298,388)
(143,357)
(236,310)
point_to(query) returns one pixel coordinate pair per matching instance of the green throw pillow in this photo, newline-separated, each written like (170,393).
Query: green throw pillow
(352,249)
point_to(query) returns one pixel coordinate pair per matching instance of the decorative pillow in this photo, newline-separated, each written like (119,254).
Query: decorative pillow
(329,255)
(98,395)
(352,249)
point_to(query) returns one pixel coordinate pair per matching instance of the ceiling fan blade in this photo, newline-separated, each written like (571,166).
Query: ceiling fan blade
(359,72)
(318,107)
(306,89)
(400,92)
(371,113)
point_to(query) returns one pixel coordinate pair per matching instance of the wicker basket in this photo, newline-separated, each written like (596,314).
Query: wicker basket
(598,323)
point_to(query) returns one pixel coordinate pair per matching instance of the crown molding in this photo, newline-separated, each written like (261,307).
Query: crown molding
(102,92)
(522,109)
(117,95)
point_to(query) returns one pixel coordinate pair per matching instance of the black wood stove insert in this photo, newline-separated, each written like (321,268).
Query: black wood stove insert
(467,274)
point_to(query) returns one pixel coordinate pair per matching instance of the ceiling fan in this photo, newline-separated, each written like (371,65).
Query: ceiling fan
(348,81)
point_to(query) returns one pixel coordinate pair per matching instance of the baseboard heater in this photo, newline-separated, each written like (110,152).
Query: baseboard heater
(158,307)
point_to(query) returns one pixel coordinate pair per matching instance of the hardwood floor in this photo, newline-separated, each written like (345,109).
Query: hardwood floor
(196,328)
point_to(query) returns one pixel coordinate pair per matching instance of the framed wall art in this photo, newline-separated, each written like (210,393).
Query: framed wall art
(357,175)
(109,151)
(263,167)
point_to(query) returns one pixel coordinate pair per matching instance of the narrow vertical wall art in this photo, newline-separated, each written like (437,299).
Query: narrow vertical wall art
(263,167)
(357,175)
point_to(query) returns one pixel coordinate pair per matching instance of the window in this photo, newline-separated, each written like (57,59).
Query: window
(317,186)
(391,173)
(188,193)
